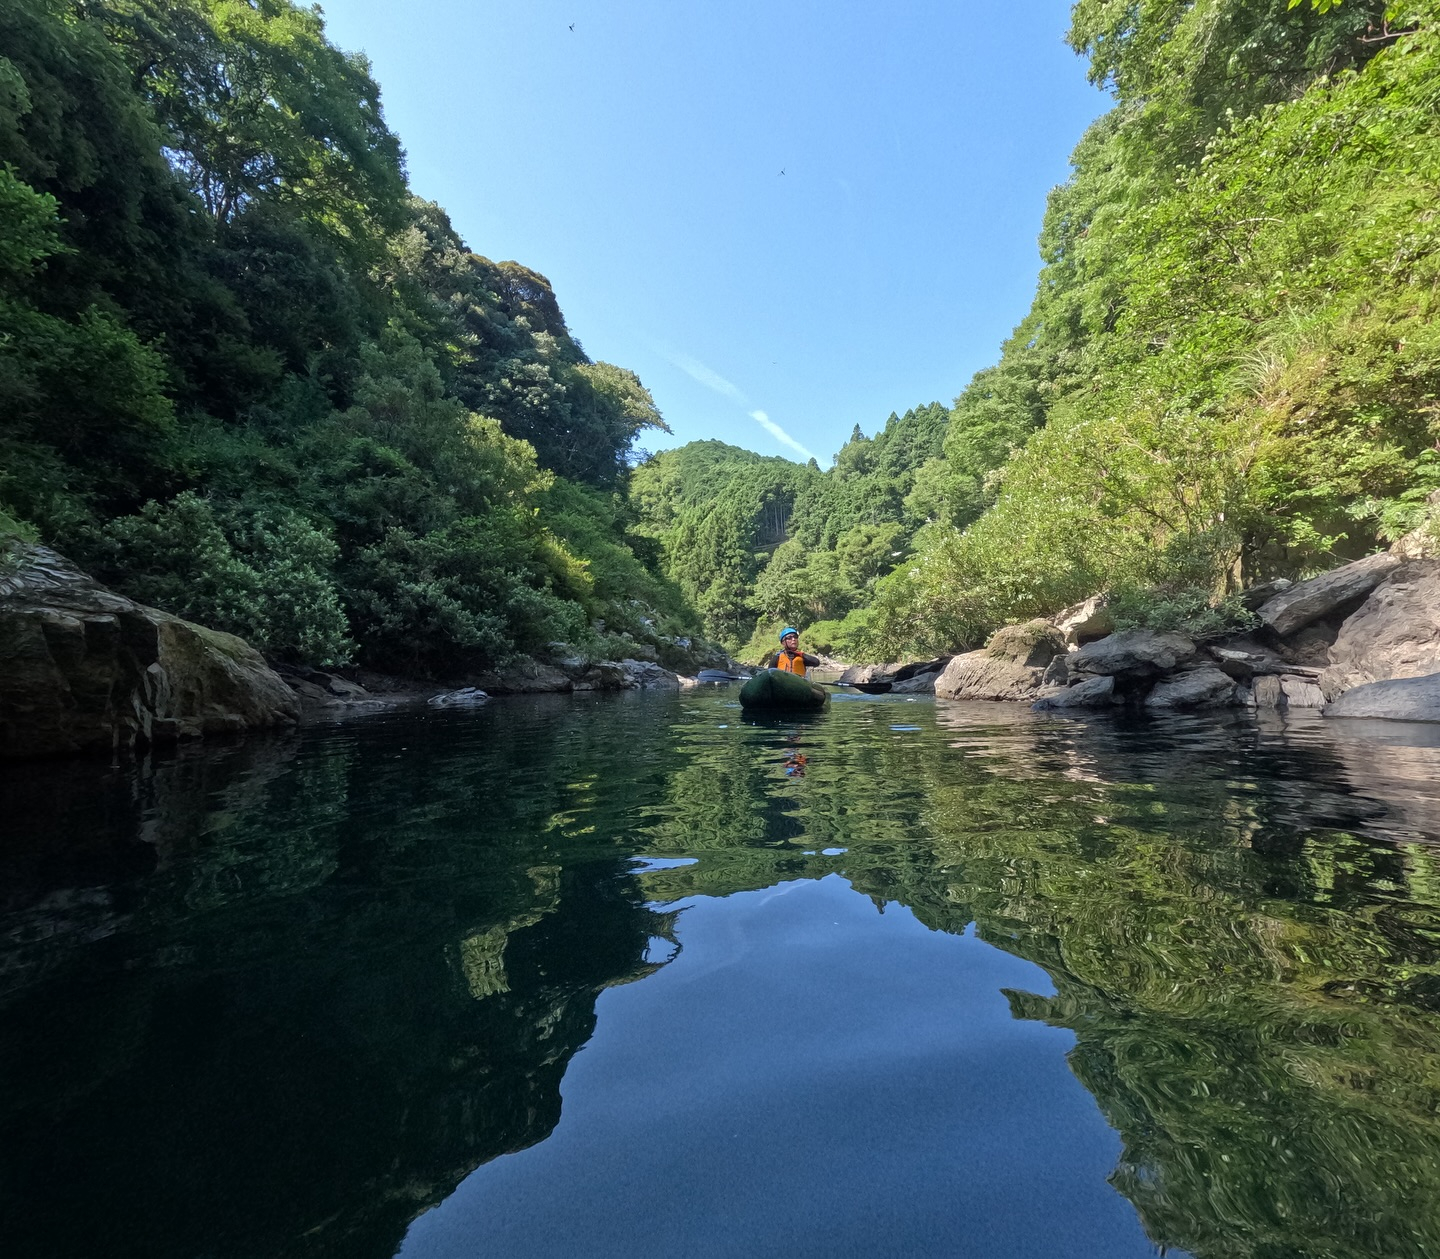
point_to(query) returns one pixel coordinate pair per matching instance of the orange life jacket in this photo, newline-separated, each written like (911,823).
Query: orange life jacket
(791,664)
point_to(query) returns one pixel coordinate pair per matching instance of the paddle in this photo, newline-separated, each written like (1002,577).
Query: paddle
(868,688)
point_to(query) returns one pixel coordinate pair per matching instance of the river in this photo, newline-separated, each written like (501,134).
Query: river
(619,975)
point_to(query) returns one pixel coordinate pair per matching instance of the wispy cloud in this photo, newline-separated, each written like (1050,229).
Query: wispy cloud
(697,371)
(779,434)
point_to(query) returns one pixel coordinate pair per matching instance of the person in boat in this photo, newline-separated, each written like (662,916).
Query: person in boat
(790,658)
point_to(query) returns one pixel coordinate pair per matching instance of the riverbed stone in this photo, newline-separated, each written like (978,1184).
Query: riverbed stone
(82,667)
(1095,692)
(1394,699)
(1202,687)
(1138,652)
(1394,634)
(1309,601)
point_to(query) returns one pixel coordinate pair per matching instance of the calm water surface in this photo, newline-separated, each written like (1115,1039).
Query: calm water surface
(636,975)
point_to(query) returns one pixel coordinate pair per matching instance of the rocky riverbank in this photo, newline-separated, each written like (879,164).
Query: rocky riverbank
(1362,640)
(83,668)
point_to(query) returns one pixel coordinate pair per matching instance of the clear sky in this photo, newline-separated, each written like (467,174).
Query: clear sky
(788,217)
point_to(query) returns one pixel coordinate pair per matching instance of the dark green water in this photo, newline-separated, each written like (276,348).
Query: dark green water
(620,976)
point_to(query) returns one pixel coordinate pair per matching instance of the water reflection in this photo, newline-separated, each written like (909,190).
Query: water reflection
(281,998)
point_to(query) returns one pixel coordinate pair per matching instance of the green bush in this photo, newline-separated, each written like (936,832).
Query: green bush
(1193,613)
(264,575)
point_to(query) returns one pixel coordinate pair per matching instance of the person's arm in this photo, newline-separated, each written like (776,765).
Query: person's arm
(811,662)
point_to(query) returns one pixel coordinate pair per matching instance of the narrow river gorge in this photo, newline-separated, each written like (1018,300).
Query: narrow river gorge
(608,975)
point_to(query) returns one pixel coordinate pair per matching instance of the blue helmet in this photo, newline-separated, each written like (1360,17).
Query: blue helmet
(787,631)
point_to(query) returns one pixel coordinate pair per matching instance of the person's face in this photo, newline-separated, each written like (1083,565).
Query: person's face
(790,642)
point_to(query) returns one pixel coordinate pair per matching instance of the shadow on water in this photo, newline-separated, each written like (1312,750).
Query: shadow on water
(279,998)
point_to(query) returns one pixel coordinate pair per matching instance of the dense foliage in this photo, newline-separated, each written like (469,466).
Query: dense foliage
(756,542)
(1230,369)
(247,376)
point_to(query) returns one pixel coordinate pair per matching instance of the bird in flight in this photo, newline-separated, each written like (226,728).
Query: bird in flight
(572,26)
(782,172)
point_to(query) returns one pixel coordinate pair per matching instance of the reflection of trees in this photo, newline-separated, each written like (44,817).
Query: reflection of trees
(353,975)
(1254,994)
(1253,982)
(344,982)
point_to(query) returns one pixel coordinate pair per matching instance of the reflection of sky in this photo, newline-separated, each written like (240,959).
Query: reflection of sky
(809,1076)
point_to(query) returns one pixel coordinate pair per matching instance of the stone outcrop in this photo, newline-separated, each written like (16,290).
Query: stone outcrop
(83,667)
(1308,601)
(1394,634)
(1011,666)
(1395,699)
(1144,653)
(1201,687)
(575,673)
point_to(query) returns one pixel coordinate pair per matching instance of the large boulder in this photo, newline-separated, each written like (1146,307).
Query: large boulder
(1202,687)
(82,667)
(1138,653)
(1308,601)
(1394,634)
(979,675)
(1395,699)
(1012,665)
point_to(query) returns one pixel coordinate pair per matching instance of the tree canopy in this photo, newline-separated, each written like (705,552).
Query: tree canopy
(248,376)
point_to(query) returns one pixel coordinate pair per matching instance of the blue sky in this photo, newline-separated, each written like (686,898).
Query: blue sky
(636,161)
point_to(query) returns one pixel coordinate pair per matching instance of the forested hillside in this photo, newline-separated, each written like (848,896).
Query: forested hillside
(247,376)
(1230,370)
(755,542)
(1231,367)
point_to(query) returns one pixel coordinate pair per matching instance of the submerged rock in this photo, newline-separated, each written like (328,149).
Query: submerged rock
(81,667)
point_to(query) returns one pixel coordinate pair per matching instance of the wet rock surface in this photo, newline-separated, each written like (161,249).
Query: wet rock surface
(83,667)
